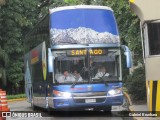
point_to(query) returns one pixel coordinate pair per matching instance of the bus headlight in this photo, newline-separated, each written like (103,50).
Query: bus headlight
(62,94)
(114,91)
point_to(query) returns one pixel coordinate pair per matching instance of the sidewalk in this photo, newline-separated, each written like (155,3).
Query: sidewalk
(139,110)
(142,107)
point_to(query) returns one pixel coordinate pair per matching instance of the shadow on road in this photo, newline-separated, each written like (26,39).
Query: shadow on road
(83,113)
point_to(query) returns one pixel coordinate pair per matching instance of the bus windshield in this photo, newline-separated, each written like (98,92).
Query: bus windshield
(86,65)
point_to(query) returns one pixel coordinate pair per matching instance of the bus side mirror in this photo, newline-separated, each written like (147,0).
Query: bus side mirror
(128,55)
(50,60)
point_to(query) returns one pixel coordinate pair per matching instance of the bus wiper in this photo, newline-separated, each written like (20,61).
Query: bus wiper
(84,69)
(76,80)
(91,72)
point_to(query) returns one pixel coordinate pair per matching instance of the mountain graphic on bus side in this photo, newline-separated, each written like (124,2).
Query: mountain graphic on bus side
(81,35)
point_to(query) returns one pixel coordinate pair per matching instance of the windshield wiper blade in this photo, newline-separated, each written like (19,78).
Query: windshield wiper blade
(90,74)
(73,85)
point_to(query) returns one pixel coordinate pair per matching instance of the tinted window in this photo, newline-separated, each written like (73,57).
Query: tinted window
(154,38)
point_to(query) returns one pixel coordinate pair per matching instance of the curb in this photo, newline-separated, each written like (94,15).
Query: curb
(13,100)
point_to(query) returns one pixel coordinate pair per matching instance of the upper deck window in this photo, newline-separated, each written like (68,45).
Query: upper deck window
(83,26)
(96,19)
(154,38)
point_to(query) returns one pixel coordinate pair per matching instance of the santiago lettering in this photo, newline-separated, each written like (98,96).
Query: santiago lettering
(84,52)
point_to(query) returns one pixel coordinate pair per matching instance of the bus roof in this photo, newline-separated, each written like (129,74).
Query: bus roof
(146,10)
(79,7)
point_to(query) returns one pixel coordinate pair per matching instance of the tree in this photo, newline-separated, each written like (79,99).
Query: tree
(3,63)
(3,55)
(17,17)
(136,84)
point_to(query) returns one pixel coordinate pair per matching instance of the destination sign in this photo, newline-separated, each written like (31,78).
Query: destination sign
(79,52)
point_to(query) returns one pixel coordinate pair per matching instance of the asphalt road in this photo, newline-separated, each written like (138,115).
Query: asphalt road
(24,109)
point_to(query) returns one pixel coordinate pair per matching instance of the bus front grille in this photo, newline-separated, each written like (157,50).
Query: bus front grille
(98,100)
(82,97)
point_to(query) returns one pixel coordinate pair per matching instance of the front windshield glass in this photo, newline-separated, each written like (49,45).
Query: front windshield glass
(86,65)
(105,67)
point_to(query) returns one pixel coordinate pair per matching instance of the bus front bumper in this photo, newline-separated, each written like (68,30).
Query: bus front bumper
(84,103)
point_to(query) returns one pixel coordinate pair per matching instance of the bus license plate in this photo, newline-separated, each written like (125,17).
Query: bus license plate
(90,100)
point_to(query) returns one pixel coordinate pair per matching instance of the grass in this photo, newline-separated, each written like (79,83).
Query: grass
(16,96)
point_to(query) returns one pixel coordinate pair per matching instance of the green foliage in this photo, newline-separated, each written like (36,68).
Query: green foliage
(3,60)
(71,1)
(3,57)
(136,84)
(2,76)
(76,2)
(16,96)
(16,18)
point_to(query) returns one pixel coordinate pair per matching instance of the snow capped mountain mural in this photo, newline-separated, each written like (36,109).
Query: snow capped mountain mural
(81,35)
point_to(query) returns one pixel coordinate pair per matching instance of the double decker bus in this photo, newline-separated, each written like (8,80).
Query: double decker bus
(79,38)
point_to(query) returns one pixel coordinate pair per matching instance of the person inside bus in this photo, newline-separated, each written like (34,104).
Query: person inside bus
(101,72)
(65,77)
(77,75)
